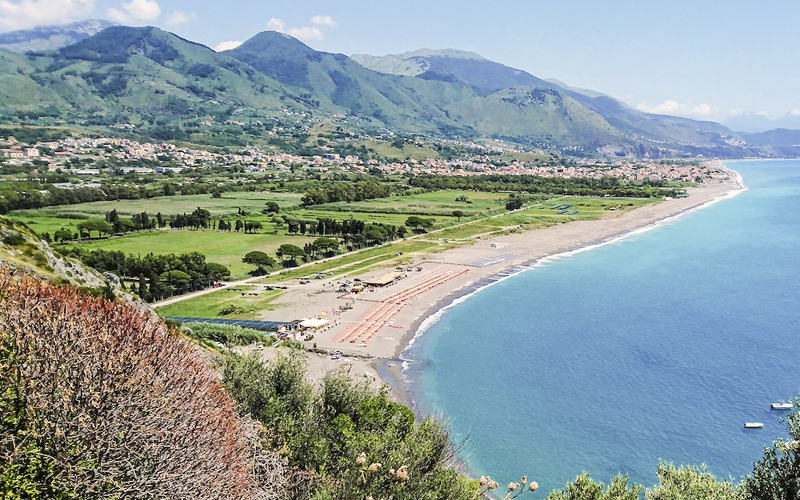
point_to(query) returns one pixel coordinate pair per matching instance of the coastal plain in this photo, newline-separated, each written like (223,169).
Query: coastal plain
(371,340)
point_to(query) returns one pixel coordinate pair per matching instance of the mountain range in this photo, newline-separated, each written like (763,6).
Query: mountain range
(157,81)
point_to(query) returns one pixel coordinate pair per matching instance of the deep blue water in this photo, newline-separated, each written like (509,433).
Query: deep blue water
(657,346)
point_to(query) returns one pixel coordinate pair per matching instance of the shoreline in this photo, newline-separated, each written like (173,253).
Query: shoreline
(518,252)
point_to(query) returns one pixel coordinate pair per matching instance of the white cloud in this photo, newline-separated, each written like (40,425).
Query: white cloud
(745,112)
(794,112)
(276,25)
(135,11)
(675,108)
(226,46)
(305,33)
(25,14)
(180,17)
(323,21)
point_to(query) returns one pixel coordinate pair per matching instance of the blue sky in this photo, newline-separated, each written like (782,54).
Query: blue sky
(703,59)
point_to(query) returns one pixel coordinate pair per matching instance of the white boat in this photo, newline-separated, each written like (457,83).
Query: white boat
(782,406)
(753,425)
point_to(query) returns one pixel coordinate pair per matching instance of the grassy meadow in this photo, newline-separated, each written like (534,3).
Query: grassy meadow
(237,300)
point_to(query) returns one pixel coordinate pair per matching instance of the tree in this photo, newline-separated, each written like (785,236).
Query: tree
(289,253)
(252,226)
(459,214)
(62,235)
(584,488)
(514,202)
(419,223)
(327,246)
(376,234)
(259,259)
(179,281)
(217,272)
(691,483)
(96,224)
(272,208)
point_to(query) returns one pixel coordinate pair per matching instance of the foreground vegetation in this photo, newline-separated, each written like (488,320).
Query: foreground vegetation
(99,400)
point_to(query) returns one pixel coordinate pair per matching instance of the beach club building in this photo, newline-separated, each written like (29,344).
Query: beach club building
(384,280)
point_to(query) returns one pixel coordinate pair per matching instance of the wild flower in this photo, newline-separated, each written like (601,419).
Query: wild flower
(402,473)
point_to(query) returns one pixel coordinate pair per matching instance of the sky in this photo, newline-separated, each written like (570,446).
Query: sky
(703,59)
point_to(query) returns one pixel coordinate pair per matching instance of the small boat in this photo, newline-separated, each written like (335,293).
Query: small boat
(783,405)
(753,425)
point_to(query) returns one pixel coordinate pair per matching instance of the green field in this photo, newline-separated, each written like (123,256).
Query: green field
(223,247)
(437,203)
(541,215)
(209,306)
(227,205)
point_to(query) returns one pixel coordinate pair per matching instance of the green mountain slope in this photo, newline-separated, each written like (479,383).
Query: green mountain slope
(474,70)
(446,95)
(170,88)
(540,115)
(142,76)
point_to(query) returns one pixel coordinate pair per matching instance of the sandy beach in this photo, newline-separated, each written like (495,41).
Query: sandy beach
(371,335)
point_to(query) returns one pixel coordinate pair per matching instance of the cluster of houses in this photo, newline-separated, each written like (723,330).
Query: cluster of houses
(256,159)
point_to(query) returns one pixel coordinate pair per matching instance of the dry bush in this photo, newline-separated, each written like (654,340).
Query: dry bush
(98,400)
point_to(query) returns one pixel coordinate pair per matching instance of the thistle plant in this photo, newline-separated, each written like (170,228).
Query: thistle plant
(514,489)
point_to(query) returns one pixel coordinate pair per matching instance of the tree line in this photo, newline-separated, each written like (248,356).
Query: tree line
(156,277)
(576,186)
(347,192)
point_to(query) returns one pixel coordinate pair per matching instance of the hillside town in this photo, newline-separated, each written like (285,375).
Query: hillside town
(89,156)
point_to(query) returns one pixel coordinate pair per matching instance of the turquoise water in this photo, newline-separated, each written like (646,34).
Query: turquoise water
(657,346)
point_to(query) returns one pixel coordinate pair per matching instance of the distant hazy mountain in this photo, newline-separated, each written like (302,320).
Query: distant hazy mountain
(51,37)
(779,142)
(451,65)
(754,123)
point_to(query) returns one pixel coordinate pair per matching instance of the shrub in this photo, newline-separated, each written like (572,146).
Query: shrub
(327,431)
(226,334)
(236,307)
(99,400)
(13,239)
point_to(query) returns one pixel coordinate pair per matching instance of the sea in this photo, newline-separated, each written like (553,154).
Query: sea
(656,346)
